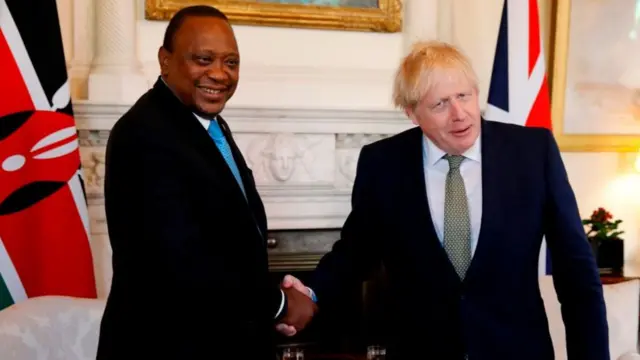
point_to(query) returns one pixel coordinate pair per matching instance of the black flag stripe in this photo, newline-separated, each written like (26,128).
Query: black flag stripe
(43,42)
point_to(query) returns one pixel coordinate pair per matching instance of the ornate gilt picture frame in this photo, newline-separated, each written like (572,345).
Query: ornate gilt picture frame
(595,95)
(386,17)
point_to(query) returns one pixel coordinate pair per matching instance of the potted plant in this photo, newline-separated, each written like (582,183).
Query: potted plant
(604,237)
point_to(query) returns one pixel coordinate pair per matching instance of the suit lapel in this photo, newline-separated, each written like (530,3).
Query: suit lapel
(491,183)
(185,122)
(198,137)
(253,198)
(425,234)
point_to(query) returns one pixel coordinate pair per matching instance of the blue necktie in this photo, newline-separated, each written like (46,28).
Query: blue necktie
(218,137)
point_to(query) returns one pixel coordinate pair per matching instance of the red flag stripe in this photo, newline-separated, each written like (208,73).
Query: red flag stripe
(540,115)
(13,86)
(50,248)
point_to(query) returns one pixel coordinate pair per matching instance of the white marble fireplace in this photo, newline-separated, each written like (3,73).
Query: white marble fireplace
(303,161)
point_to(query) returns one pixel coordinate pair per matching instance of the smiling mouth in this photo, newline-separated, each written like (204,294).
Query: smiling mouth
(461,132)
(212,91)
(213,95)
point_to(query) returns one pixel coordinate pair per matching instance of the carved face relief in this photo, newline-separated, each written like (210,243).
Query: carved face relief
(282,152)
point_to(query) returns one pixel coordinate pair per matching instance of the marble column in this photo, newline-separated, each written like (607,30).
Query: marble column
(82,46)
(116,74)
(420,21)
(65,18)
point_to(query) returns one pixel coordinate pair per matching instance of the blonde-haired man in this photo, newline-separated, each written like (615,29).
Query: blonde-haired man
(456,209)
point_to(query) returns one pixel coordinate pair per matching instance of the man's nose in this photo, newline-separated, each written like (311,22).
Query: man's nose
(457,110)
(216,71)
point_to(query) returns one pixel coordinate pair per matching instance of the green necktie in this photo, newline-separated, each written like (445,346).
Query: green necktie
(457,226)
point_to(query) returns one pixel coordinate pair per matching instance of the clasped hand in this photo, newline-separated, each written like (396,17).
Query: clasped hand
(300,308)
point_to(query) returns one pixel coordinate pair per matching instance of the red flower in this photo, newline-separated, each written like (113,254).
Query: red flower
(602,226)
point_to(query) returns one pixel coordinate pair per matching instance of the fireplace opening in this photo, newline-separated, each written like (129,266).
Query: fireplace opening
(359,321)
(330,332)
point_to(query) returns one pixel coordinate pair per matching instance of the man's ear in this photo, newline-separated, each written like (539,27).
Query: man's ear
(163,60)
(411,114)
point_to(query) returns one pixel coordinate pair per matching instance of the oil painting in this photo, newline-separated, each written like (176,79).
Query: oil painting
(596,75)
(351,15)
(342,3)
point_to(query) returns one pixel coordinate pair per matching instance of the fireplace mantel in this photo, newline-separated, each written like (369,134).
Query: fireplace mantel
(303,160)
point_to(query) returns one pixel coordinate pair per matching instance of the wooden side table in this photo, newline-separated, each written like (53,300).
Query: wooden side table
(608,280)
(630,271)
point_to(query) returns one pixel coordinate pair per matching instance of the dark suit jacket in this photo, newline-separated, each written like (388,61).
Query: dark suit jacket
(497,311)
(190,271)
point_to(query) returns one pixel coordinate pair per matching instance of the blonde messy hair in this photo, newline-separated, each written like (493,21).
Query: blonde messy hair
(414,77)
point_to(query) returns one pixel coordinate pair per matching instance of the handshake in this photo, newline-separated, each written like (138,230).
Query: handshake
(300,308)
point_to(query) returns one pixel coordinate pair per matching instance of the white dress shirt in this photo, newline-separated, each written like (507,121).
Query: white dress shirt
(205,123)
(435,172)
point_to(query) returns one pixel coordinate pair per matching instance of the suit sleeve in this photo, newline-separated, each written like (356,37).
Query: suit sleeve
(356,254)
(575,274)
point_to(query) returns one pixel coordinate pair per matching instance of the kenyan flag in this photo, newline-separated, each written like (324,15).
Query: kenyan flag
(44,223)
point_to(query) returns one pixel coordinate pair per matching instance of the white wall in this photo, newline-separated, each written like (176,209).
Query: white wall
(300,68)
(320,69)
(334,69)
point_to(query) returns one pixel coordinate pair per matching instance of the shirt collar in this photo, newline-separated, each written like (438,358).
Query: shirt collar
(433,153)
(203,121)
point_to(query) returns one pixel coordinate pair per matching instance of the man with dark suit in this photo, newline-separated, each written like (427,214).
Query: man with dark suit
(456,209)
(186,223)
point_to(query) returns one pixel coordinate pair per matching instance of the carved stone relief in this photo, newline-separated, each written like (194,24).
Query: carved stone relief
(93,165)
(279,158)
(92,149)
(357,141)
(283,160)
(304,161)
(347,153)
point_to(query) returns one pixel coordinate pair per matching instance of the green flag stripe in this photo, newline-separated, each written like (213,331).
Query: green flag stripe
(5,296)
